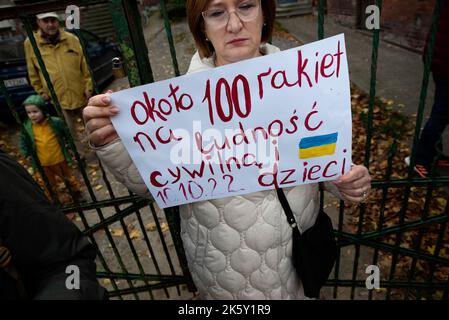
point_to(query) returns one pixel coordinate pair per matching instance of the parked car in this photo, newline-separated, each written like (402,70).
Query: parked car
(13,68)
(100,54)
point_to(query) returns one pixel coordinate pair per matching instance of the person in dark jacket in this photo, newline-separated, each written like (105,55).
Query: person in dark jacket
(43,255)
(430,139)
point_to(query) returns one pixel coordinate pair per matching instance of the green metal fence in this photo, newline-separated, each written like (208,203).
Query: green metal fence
(162,271)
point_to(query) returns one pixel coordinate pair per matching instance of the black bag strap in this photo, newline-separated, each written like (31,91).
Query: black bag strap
(286,206)
(288,211)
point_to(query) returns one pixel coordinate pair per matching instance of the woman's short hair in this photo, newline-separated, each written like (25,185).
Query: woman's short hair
(197,27)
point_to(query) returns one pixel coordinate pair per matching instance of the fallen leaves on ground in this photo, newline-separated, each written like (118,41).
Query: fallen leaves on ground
(152,226)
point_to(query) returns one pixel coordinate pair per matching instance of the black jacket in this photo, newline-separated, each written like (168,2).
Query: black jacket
(42,241)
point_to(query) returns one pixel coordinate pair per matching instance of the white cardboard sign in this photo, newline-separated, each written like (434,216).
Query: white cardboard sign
(279,120)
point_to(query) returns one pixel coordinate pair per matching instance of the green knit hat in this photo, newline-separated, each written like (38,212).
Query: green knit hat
(38,101)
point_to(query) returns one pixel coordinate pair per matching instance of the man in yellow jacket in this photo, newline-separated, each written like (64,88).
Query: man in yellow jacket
(65,63)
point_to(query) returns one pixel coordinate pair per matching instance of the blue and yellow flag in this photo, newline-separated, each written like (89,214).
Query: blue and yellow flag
(312,147)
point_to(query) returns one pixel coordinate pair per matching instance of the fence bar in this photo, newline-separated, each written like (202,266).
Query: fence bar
(102,204)
(438,246)
(383,203)
(418,239)
(321,19)
(150,248)
(386,284)
(164,245)
(393,248)
(173,218)
(169,36)
(414,182)
(138,276)
(401,228)
(340,230)
(166,284)
(126,20)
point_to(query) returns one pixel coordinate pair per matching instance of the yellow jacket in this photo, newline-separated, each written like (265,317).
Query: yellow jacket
(66,65)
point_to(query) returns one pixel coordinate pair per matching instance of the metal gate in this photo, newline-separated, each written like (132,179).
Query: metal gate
(125,225)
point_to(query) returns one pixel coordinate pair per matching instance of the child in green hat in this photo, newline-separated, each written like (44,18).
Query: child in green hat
(48,137)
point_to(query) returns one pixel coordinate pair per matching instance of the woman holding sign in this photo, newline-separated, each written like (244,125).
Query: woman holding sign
(237,247)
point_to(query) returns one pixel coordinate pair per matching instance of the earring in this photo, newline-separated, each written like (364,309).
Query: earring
(207,39)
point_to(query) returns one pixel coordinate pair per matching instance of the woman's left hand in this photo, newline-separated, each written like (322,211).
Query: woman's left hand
(355,185)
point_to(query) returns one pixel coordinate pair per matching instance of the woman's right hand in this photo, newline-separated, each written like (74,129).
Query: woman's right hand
(96,115)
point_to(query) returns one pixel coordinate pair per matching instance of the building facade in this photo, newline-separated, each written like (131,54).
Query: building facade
(403,22)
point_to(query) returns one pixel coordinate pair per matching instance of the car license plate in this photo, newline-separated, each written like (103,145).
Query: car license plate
(9,83)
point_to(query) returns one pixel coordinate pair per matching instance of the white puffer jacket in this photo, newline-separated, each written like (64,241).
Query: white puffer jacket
(237,247)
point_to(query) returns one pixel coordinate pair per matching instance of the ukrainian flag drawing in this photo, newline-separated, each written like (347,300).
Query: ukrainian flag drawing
(312,147)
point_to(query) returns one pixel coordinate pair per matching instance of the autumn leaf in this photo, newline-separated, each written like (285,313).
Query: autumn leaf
(433,213)
(150,226)
(164,227)
(116,232)
(441,201)
(431,249)
(411,200)
(145,253)
(134,234)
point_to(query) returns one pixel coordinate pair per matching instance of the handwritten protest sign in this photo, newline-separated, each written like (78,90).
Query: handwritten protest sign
(279,120)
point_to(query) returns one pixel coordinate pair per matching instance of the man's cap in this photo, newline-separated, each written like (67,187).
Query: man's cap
(47,15)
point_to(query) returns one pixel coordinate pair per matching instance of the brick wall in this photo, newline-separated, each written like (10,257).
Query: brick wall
(405,22)
(343,11)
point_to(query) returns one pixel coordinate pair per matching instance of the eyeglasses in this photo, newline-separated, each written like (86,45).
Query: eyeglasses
(218,17)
